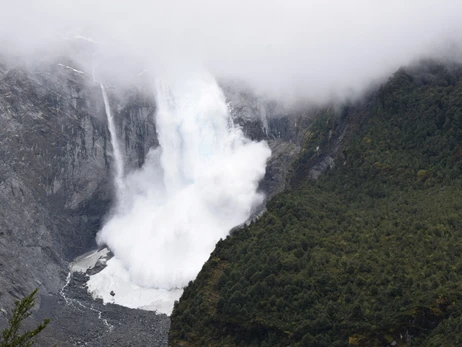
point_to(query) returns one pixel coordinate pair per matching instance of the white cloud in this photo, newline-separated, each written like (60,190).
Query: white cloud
(312,49)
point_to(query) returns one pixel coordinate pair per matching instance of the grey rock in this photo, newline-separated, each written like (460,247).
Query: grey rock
(266,119)
(55,176)
(78,319)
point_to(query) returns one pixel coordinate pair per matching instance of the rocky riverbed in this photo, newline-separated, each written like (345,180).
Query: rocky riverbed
(80,320)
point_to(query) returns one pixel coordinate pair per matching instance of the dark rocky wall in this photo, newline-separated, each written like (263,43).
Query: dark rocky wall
(55,168)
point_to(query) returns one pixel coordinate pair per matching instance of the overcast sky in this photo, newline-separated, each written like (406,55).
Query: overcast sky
(313,49)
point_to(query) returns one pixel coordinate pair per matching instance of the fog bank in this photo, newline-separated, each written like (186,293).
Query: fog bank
(309,49)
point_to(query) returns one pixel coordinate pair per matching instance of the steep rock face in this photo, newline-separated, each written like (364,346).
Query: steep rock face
(265,119)
(134,111)
(55,168)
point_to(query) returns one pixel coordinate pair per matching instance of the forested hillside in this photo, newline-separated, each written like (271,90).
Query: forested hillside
(370,254)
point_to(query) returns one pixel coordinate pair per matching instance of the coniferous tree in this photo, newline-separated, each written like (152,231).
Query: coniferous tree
(11,336)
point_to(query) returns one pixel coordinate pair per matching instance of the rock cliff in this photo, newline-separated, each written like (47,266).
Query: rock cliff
(55,168)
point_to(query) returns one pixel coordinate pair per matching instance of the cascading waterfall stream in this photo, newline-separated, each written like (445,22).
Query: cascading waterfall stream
(118,157)
(201,182)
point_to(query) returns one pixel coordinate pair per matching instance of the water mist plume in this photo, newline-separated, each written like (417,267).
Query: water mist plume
(200,183)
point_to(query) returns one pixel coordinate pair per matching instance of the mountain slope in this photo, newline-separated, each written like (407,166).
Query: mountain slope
(367,255)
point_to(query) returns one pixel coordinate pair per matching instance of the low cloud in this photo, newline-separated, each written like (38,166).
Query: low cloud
(309,49)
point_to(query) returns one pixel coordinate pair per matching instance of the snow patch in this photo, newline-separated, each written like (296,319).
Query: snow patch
(115,279)
(71,68)
(88,260)
(80,37)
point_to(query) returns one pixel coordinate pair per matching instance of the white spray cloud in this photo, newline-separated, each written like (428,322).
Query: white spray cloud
(200,183)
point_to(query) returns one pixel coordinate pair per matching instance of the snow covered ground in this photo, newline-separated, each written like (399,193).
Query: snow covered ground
(89,260)
(115,278)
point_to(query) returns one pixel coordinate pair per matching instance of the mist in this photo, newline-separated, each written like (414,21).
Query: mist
(201,182)
(315,50)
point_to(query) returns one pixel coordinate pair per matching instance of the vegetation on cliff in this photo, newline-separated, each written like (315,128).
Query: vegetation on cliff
(370,254)
(11,335)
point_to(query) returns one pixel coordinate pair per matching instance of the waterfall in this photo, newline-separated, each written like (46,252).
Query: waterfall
(117,153)
(201,182)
